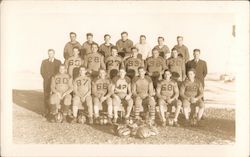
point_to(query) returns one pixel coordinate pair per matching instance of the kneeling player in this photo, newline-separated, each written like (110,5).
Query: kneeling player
(82,93)
(122,92)
(61,87)
(101,91)
(191,92)
(143,92)
(168,93)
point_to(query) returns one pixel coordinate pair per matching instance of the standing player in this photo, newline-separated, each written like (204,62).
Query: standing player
(101,91)
(133,63)
(122,93)
(49,68)
(177,64)
(73,63)
(105,48)
(86,46)
(191,93)
(68,48)
(124,45)
(113,62)
(143,47)
(61,87)
(168,93)
(155,66)
(94,61)
(143,92)
(82,94)
(182,49)
(162,48)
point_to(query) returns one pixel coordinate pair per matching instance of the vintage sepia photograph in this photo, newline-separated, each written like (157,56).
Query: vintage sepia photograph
(124,73)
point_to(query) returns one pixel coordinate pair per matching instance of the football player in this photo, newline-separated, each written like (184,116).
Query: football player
(143,93)
(87,45)
(94,61)
(162,48)
(61,87)
(73,63)
(133,63)
(68,48)
(105,48)
(167,94)
(122,93)
(155,66)
(182,49)
(191,92)
(101,91)
(113,62)
(82,93)
(176,64)
(124,45)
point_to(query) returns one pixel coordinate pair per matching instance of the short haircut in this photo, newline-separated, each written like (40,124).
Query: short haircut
(76,48)
(191,69)
(179,37)
(107,35)
(155,49)
(62,65)
(143,36)
(89,34)
(122,68)
(167,70)
(161,38)
(72,33)
(102,69)
(124,33)
(132,48)
(94,44)
(51,50)
(141,68)
(82,66)
(114,47)
(174,49)
(197,50)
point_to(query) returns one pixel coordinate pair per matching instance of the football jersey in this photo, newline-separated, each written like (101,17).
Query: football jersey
(113,62)
(191,89)
(167,88)
(121,85)
(100,86)
(176,65)
(143,86)
(83,84)
(133,64)
(73,62)
(94,61)
(61,83)
(155,64)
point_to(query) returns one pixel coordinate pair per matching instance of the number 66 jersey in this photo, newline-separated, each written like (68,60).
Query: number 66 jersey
(101,87)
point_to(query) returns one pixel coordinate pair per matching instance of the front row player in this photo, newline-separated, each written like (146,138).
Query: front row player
(191,92)
(122,94)
(61,87)
(82,94)
(168,93)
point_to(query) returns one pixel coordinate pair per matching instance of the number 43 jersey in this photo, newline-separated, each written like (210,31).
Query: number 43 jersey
(167,88)
(100,87)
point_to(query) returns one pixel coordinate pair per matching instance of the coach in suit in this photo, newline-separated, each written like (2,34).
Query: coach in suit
(49,68)
(199,65)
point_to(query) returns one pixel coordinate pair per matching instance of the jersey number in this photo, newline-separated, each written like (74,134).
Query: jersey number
(77,62)
(81,82)
(62,80)
(122,86)
(96,59)
(165,88)
(135,63)
(102,86)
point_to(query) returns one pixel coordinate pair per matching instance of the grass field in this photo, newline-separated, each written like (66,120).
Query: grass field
(29,127)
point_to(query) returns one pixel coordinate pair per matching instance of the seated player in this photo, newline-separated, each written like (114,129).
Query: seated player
(61,87)
(82,94)
(168,93)
(113,62)
(94,61)
(122,93)
(73,63)
(101,92)
(133,63)
(143,93)
(155,66)
(191,92)
(177,64)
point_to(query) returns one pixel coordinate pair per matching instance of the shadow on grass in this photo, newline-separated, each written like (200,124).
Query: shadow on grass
(29,99)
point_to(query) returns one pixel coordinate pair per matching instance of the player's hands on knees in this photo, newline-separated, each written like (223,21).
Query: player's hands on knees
(128,97)
(103,98)
(193,100)
(59,95)
(169,101)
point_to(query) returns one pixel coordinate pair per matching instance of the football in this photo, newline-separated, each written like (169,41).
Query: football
(103,120)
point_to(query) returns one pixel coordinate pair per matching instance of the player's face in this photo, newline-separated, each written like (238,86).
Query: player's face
(94,48)
(191,75)
(107,39)
(72,37)
(160,41)
(122,73)
(89,38)
(167,75)
(155,53)
(180,41)
(114,52)
(82,71)
(102,74)
(124,37)
(51,54)
(196,55)
(141,72)
(76,52)
(174,53)
(62,69)
(142,40)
